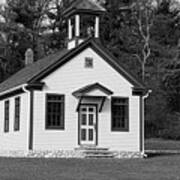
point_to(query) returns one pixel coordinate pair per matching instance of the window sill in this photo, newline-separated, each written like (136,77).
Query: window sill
(17,130)
(120,130)
(54,128)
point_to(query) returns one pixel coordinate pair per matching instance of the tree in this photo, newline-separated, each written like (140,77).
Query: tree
(144,16)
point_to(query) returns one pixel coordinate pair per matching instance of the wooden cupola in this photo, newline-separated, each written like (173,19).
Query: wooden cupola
(83,21)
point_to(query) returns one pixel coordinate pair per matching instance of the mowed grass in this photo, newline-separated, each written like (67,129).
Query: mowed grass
(161,144)
(157,168)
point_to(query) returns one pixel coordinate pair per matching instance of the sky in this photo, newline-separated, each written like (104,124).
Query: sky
(2,1)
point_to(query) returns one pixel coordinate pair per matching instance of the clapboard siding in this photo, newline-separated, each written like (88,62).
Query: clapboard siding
(68,79)
(15,140)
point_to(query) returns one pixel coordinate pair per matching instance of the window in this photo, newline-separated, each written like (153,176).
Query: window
(88,62)
(17,114)
(120,114)
(6,116)
(55,111)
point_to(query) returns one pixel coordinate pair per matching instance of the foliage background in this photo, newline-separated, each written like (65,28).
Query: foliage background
(142,34)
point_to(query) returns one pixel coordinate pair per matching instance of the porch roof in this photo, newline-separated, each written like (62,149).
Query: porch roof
(86,91)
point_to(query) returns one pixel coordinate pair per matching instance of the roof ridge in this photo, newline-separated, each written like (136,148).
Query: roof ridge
(95,3)
(43,67)
(77,5)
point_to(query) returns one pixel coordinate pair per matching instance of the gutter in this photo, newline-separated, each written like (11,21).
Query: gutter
(30,114)
(143,120)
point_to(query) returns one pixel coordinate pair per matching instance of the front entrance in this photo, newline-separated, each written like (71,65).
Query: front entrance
(88,124)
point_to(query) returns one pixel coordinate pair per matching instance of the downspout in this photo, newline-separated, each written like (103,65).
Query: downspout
(143,120)
(30,115)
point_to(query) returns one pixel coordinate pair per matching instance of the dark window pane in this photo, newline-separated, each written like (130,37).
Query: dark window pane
(91,119)
(84,119)
(17,114)
(55,111)
(120,113)
(83,134)
(6,116)
(91,110)
(83,109)
(89,62)
(90,134)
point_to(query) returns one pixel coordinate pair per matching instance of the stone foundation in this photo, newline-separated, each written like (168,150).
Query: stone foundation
(65,154)
(56,154)
(129,155)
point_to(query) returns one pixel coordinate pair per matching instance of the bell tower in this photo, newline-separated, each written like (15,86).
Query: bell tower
(83,18)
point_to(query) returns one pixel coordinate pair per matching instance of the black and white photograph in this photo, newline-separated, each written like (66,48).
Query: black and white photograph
(90,89)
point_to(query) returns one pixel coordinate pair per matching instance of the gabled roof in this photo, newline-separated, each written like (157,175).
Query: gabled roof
(31,70)
(35,72)
(84,90)
(80,6)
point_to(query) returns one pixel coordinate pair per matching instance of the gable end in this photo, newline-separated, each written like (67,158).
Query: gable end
(100,50)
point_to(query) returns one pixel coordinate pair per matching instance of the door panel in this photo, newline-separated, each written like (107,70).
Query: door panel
(88,124)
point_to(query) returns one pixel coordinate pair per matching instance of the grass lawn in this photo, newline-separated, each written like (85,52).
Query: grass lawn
(160,144)
(157,168)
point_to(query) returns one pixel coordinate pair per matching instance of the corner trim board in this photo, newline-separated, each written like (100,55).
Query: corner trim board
(31,122)
(141,111)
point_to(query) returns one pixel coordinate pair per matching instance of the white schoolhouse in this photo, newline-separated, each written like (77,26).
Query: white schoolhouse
(80,97)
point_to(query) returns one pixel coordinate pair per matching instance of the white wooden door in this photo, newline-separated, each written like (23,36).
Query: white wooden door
(88,124)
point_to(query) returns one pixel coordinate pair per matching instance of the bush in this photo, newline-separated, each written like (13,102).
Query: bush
(172,129)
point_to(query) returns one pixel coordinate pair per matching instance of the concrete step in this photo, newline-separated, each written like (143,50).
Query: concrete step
(97,152)
(100,156)
(86,148)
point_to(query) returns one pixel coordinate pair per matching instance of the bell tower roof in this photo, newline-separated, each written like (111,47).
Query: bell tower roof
(83,6)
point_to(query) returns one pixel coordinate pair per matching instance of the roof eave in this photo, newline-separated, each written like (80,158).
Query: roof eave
(21,89)
(82,11)
(137,91)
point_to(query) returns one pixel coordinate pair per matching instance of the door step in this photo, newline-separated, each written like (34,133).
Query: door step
(96,152)
(98,156)
(92,148)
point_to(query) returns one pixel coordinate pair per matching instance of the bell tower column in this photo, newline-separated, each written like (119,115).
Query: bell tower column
(69,29)
(97,27)
(83,21)
(77,25)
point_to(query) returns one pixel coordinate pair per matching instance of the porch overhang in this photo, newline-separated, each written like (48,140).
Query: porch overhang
(93,91)
(100,98)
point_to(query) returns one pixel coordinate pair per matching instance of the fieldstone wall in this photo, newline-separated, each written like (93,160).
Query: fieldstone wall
(129,155)
(56,154)
(64,154)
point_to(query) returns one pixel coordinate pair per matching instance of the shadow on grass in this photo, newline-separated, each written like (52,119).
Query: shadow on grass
(157,154)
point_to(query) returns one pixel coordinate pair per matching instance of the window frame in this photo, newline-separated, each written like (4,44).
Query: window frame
(17,113)
(120,129)
(6,115)
(86,65)
(47,127)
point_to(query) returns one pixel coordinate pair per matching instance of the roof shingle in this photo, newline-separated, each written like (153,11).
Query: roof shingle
(38,70)
(31,70)
(83,5)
